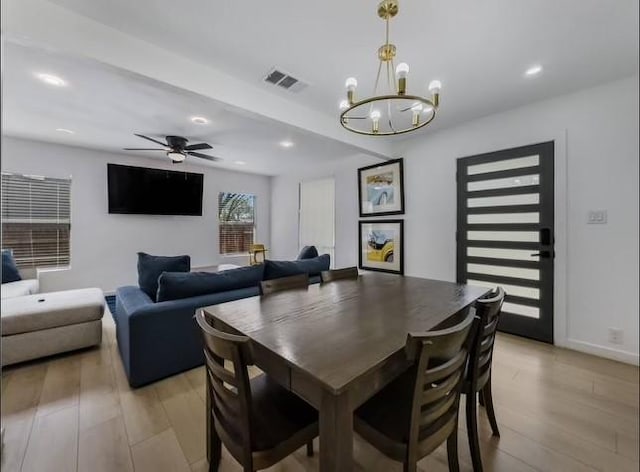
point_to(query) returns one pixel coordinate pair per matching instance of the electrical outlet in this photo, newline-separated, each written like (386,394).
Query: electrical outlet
(597,217)
(616,336)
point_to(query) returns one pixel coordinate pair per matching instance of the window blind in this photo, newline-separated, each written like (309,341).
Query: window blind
(236,222)
(36,220)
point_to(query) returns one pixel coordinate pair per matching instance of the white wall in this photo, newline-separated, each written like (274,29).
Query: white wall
(596,135)
(104,246)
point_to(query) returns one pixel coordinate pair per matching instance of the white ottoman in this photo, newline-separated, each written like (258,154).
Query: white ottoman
(43,324)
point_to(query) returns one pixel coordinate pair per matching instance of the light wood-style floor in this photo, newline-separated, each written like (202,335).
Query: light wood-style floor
(558,411)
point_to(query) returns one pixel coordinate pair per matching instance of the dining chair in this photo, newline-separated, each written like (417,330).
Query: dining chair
(478,376)
(284,283)
(339,274)
(409,418)
(259,422)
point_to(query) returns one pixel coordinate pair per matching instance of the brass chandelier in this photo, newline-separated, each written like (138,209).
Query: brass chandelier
(392,111)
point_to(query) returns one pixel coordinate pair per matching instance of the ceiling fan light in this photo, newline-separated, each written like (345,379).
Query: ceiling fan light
(176,156)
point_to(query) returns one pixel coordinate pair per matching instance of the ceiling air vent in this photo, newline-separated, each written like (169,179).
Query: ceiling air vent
(284,80)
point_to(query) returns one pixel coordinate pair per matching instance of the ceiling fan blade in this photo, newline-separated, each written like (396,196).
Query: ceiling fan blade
(144,149)
(204,156)
(197,147)
(151,139)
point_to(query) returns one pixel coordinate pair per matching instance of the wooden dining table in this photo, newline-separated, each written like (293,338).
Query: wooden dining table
(336,344)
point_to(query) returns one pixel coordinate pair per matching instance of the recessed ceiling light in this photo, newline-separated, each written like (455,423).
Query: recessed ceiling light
(286,143)
(240,163)
(51,79)
(533,70)
(199,120)
(65,130)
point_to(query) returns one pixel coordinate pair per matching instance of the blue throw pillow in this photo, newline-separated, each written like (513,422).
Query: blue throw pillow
(177,285)
(10,271)
(151,267)
(277,269)
(308,252)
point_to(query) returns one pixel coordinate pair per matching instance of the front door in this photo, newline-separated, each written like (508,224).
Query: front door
(505,233)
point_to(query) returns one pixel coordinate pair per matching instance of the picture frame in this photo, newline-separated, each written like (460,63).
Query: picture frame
(381,246)
(381,189)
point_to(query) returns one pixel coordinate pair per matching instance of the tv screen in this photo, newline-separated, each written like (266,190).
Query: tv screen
(142,191)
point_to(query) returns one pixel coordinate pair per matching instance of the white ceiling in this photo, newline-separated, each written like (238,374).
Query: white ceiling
(104,106)
(478,49)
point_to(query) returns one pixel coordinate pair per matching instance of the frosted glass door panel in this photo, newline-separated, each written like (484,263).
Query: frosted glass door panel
(507,164)
(531,274)
(520,236)
(523,199)
(516,254)
(525,292)
(506,182)
(523,310)
(507,218)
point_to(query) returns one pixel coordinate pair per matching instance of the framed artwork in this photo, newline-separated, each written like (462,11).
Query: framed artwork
(381,189)
(382,246)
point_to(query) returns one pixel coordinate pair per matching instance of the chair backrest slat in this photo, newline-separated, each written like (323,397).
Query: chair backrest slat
(284,283)
(339,274)
(440,360)
(481,351)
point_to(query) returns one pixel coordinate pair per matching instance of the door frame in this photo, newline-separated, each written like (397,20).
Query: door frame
(558,289)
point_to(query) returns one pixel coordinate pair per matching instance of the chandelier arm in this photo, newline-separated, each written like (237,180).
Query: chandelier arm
(375,87)
(389,115)
(395,82)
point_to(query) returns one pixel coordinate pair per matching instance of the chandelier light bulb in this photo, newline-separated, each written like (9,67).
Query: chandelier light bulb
(402,70)
(351,84)
(375,116)
(435,86)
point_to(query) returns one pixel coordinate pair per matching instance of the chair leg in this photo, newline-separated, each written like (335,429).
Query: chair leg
(472,431)
(452,452)
(409,466)
(481,398)
(310,448)
(486,393)
(216,450)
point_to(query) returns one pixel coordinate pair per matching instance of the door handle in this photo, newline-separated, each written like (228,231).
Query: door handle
(542,254)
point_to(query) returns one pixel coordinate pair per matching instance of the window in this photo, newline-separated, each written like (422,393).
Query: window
(236,217)
(36,220)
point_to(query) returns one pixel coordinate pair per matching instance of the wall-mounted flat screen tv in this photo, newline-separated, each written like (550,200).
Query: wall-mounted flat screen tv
(143,191)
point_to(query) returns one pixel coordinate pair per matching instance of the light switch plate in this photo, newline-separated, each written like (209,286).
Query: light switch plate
(597,217)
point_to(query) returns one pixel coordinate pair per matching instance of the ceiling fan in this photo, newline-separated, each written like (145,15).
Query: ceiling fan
(177,148)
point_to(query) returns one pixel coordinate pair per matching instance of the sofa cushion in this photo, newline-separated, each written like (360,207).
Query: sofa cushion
(277,269)
(10,271)
(20,288)
(50,310)
(308,252)
(151,267)
(178,285)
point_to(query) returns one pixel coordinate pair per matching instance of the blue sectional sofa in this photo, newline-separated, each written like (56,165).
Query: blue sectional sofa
(159,339)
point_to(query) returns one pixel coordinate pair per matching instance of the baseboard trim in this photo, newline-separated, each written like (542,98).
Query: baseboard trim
(600,351)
